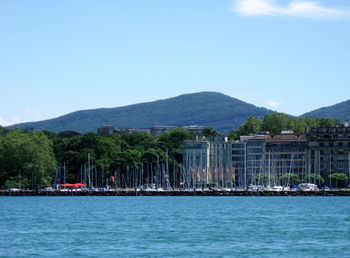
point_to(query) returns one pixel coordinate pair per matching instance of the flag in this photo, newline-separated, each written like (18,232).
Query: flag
(227,173)
(192,173)
(216,174)
(210,177)
(113,179)
(233,173)
(198,174)
(221,174)
(204,174)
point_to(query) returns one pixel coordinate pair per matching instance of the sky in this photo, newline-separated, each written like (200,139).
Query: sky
(57,57)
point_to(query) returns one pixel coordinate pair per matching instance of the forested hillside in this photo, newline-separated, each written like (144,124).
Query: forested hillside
(340,111)
(212,109)
(31,158)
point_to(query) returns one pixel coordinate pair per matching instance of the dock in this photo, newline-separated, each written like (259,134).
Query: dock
(172,193)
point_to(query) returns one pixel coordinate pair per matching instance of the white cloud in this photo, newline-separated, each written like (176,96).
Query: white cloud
(10,121)
(273,104)
(296,8)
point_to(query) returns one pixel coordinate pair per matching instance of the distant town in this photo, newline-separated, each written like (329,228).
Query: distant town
(263,161)
(107,130)
(179,158)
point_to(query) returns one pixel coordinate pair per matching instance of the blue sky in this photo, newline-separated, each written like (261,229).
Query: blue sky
(62,56)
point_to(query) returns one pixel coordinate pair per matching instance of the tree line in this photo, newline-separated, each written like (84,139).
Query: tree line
(29,159)
(276,122)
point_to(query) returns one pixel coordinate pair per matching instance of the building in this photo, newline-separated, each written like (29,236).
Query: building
(207,161)
(329,151)
(106,130)
(248,158)
(155,130)
(194,128)
(286,154)
(268,159)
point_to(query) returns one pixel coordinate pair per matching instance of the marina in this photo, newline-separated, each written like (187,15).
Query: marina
(187,192)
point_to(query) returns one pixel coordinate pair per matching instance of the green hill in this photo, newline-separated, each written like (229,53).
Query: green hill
(340,110)
(213,109)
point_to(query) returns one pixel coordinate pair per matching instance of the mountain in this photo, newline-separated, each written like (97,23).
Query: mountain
(340,110)
(213,109)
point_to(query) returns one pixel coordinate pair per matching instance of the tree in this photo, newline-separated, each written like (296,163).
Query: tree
(319,179)
(325,122)
(172,141)
(276,122)
(338,179)
(3,130)
(297,125)
(311,122)
(252,125)
(263,179)
(290,179)
(28,157)
(210,132)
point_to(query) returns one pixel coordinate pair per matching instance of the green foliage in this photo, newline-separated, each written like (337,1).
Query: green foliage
(290,179)
(263,179)
(340,111)
(119,152)
(276,122)
(172,141)
(319,179)
(252,125)
(338,180)
(3,131)
(16,182)
(205,108)
(210,132)
(28,155)
(325,122)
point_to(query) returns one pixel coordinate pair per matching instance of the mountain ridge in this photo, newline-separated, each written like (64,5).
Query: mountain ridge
(206,108)
(340,110)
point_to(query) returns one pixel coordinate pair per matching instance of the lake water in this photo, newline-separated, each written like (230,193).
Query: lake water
(175,226)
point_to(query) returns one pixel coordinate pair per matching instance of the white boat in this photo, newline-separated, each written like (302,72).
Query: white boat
(225,190)
(277,188)
(255,188)
(308,187)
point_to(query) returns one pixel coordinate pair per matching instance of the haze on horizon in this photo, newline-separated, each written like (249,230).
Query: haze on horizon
(291,56)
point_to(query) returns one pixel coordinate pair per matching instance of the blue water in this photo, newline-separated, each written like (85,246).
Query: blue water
(175,226)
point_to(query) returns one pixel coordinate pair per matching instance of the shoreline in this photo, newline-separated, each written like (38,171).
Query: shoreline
(173,193)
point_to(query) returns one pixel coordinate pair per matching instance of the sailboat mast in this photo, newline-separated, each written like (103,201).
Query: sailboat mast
(319,164)
(349,167)
(102,176)
(89,169)
(64,174)
(174,174)
(167,167)
(269,168)
(147,175)
(245,165)
(330,168)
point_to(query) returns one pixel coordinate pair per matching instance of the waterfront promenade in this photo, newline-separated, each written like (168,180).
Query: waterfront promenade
(173,193)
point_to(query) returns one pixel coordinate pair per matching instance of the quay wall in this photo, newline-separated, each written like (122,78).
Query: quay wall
(173,193)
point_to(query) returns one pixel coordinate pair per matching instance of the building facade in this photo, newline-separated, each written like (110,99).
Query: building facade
(329,151)
(207,161)
(268,159)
